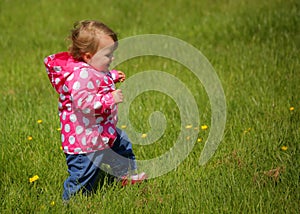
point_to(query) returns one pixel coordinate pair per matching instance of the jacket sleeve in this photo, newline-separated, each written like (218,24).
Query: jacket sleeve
(91,92)
(115,75)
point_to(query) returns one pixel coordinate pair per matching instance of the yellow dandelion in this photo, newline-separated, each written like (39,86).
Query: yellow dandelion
(52,203)
(39,121)
(33,179)
(284,148)
(29,138)
(188,126)
(199,140)
(188,138)
(204,127)
(58,129)
(123,127)
(247,130)
(61,148)
(144,135)
(292,108)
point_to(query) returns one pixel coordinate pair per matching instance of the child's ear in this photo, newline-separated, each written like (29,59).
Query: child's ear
(87,57)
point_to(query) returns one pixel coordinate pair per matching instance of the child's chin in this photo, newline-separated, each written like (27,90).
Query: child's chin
(103,69)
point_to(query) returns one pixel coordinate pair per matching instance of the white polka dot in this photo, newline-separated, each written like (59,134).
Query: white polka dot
(66,74)
(98,83)
(70,77)
(79,129)
(86,111)
(90,85)
(62,138)
(113,75)
(64,115)
(66,148)
(73,118)
(79,102)
(67,128)
(77,150)
(83,141)
(105,89)
(106,96)
(62,97)
(69,107)
(88,131)
(57,68)
(94,140)
(59,105)
(99,119)
(71,139)
(97,105)
(105,140)
(65,88)
(84,74)
(57,80)
(76,85)
(89,98)
(100,129)
(111,130)
(85,121)
(105,79)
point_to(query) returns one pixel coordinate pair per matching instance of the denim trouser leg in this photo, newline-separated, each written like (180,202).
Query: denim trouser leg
(84,169)
(121,157)
(83,173)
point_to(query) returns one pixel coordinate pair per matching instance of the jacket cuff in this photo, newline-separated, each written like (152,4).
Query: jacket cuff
(115,75)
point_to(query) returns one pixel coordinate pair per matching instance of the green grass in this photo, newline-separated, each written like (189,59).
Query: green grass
(254,48)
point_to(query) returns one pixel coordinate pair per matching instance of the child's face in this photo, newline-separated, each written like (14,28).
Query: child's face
(103,57)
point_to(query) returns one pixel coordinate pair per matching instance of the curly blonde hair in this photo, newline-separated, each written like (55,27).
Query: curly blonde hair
(85,37)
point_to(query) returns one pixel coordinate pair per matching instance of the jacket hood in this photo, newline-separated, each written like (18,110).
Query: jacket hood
(59,67)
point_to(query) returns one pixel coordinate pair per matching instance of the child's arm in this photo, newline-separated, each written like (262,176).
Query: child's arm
(93,92)
(118,76)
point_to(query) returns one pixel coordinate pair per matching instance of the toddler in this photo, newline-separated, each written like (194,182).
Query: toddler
(88,106)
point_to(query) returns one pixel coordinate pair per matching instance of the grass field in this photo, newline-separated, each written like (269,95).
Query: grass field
(254,48)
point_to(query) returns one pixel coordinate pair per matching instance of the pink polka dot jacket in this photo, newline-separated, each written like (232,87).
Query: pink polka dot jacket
(87,110)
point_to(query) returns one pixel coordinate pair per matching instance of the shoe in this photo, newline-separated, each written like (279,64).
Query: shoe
(133,179)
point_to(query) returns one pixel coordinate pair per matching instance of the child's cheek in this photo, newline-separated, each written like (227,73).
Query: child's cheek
(97,61)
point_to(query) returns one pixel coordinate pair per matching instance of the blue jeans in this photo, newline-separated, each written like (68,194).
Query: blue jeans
(84,169)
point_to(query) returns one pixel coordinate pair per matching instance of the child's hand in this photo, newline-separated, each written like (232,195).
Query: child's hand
(122,76)
(118,96)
